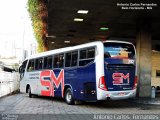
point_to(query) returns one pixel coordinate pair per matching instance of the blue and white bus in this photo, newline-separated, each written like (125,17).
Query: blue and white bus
(89,72)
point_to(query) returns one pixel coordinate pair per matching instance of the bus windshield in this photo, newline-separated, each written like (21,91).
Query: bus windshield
(119,50)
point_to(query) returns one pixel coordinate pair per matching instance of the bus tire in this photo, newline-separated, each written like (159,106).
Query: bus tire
(29,92)
(69,97)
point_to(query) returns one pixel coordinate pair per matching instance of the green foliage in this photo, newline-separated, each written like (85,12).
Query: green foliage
(39,14)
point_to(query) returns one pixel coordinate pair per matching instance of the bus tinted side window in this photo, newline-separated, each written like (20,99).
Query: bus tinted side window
(49,66)
(58,61)
(30,66)
(36,64)
(74,58)
(86,56)
(47,62)
(71,59)
(39,63)
(91,53)
(83,54)
(68,60)
(24,65)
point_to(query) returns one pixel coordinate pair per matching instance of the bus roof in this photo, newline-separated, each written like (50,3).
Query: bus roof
(67,49)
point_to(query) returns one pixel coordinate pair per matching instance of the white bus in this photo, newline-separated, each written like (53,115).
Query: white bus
(89,72)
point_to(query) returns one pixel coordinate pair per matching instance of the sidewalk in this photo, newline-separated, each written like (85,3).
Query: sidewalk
(147,101)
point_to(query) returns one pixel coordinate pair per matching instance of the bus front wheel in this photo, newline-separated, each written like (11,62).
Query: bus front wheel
(29,92)
(69,97)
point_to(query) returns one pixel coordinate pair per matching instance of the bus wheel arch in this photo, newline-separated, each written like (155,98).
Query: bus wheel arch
(28,90)
(27,87)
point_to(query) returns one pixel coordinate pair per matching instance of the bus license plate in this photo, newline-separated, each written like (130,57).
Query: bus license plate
(121,94)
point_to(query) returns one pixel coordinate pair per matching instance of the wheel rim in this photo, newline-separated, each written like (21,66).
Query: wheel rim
(68,97)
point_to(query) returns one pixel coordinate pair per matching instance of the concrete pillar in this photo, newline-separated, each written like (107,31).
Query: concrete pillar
(144,48)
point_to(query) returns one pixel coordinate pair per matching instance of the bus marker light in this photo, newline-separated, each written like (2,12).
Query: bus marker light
(102,83)
(135,82)
(82,92)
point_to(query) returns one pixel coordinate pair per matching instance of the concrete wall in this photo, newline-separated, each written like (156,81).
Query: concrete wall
(9,82)
(155,66)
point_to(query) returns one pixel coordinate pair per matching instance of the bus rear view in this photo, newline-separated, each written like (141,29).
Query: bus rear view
(119,80)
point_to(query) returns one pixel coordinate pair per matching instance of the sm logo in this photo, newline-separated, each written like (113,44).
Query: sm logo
(49,80)
(120,79)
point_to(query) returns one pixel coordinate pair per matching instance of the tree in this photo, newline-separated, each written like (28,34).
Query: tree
(39,15)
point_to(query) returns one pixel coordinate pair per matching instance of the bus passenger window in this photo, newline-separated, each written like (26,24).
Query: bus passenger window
(47,62)
(39,63)
(49,66)
(74,58)
(36,64)
(55,64)
(83,54)
(30,66)
(84,62)
(58,61)
(91,53)
(61,60)
(86,56)
(24,66)
(68,60)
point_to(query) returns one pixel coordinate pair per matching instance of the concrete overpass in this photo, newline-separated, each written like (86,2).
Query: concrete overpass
(130,20)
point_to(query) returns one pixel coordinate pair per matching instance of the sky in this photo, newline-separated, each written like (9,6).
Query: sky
(16,31)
